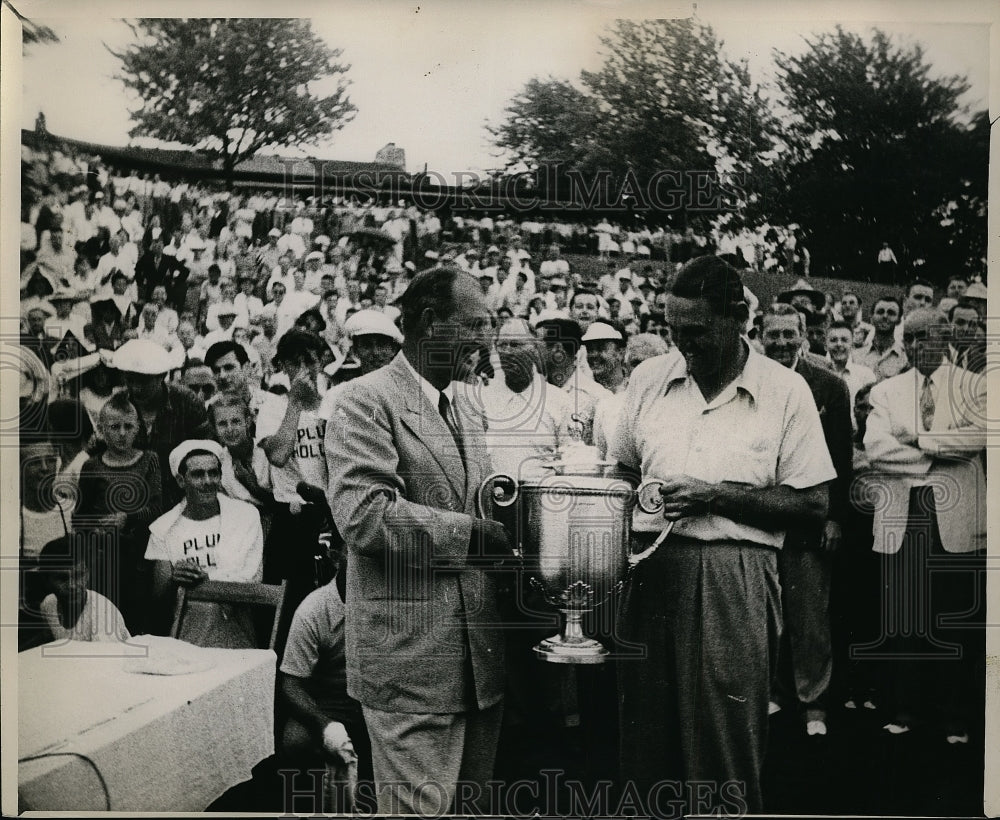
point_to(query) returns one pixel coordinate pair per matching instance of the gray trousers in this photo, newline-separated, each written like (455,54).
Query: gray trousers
(706,618)
(420,759)
(805,588)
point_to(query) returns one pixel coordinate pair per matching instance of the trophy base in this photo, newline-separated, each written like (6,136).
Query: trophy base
(558,650)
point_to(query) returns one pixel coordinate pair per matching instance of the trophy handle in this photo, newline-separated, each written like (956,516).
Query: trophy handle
(648,496)
(498,500)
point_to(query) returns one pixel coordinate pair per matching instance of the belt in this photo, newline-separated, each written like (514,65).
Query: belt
(642,540)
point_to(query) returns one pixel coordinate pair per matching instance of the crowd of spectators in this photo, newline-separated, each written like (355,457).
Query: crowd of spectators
(183,347)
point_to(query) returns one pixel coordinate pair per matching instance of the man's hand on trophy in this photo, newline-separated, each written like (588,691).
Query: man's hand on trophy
(685,496)
(490,546)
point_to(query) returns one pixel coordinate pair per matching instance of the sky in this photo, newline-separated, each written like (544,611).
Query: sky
(429,77)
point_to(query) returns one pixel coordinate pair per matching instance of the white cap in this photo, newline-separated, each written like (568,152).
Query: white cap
(185,448)
(624,273)
(142,356)
(372,323)
(977,290)
(601,332)
(314,255)
(322,240)
(431,254)
(558,282)
(274,232)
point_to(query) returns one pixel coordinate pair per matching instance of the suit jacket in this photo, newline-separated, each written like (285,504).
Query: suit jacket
(833,401)
(422,626)
(904,456)
(149,273)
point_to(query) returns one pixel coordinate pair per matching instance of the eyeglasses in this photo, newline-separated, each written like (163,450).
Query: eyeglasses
(208,390)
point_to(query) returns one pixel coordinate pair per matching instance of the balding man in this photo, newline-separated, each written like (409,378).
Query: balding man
(527,417)
(425,655)
(924,437)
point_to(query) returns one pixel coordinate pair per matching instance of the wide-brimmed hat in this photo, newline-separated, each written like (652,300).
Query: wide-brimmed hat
(803,288)
(142,356)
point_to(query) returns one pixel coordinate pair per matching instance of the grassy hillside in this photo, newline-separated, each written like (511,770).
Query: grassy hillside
(765,285)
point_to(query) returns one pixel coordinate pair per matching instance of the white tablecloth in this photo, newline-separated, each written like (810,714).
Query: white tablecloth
(160,742)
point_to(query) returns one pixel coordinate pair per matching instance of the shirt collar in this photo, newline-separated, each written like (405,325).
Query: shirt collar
(751,379)
(429,390)
(937,377)
(896,347)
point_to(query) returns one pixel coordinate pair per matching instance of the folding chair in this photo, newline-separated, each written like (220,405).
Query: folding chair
(231,592)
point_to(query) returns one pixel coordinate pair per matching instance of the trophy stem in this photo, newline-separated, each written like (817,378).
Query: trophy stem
(571,646)
(573,630)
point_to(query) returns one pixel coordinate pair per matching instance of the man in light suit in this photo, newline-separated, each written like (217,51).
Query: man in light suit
(406,457)
(924,436)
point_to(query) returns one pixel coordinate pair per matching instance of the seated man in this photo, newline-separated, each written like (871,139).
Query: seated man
(206,536)
(323,720)
(72,611)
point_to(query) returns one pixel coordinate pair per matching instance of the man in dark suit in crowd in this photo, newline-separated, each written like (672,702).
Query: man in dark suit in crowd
(805,563)
(158,268)
(406,455)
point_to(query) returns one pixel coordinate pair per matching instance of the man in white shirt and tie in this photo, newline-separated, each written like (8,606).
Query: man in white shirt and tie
(924,438)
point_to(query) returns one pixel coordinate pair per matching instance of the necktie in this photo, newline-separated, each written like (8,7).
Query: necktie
(444,408)
(927,403)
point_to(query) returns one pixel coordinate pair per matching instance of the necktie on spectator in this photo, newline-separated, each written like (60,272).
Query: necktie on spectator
(444,408)
(927,403)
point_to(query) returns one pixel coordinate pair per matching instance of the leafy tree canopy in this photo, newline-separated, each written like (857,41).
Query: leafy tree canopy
(230,87)
(665,100)
(879,150)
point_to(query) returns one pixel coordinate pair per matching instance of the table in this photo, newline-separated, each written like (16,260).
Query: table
(159,742)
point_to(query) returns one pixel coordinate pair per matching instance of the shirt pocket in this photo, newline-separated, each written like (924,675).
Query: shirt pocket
(748,460)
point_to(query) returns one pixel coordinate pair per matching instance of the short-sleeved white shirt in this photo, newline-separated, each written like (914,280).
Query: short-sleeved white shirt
(763,430)
(200,541)
(307,462)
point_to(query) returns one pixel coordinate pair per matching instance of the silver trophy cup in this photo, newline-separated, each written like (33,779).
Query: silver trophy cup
(572,532)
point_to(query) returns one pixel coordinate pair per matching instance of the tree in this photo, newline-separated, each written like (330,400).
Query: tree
(665,100)
(230,87)
(877,150)
(549,121)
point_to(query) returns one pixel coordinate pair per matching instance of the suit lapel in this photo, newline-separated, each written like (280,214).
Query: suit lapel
(426,424)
